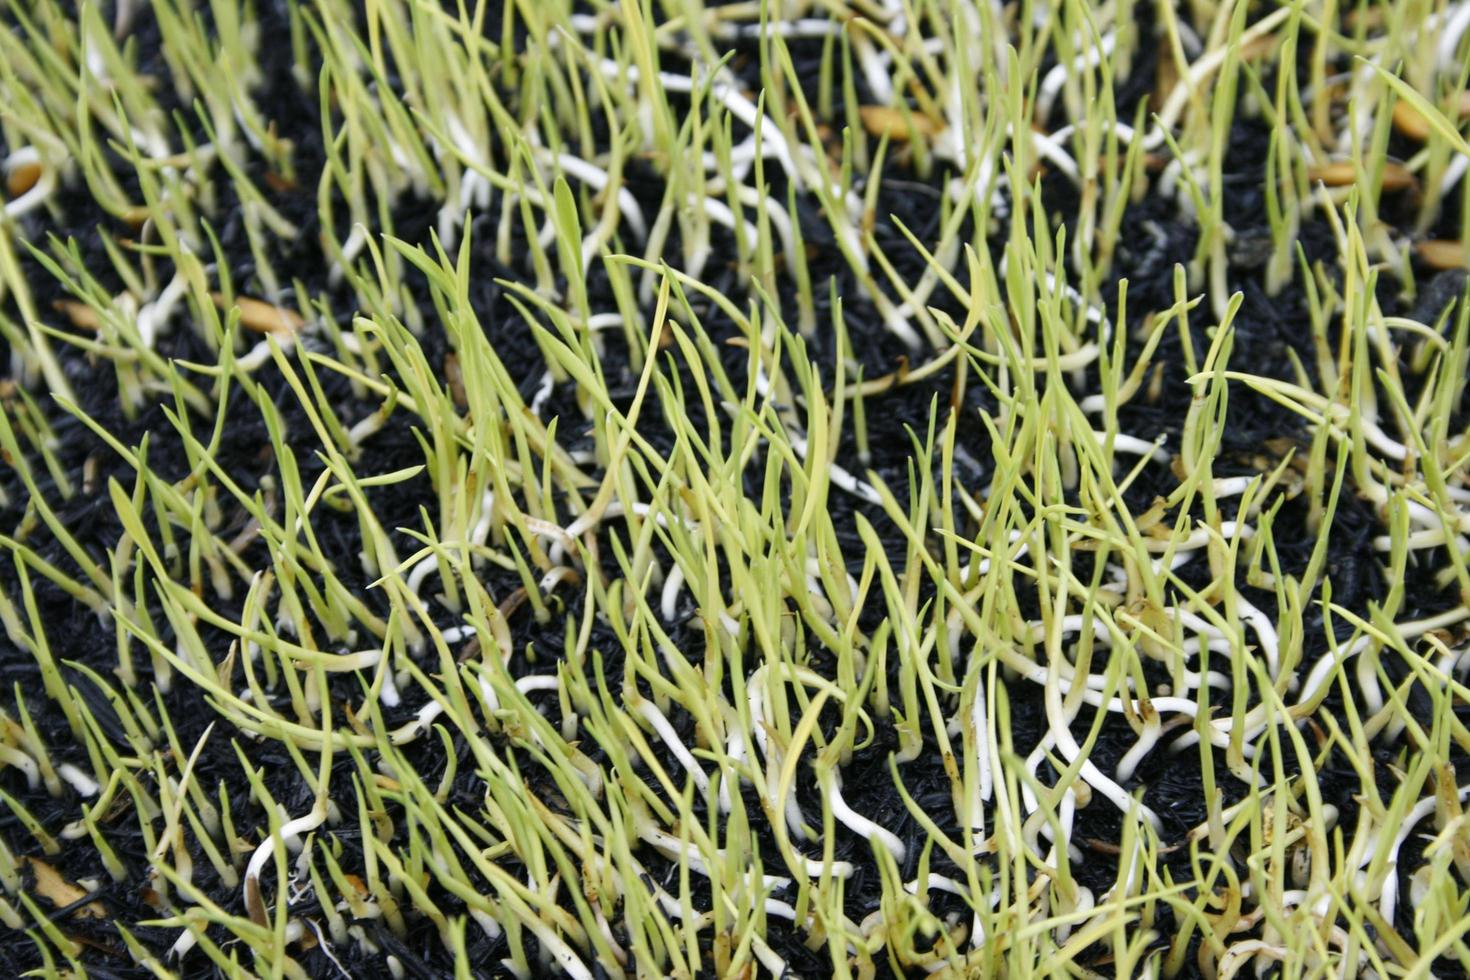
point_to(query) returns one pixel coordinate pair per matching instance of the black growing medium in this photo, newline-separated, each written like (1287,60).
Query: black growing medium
(1154,235)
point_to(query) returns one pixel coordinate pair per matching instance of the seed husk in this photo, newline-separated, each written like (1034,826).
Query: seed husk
(878,119)
(454,376)
(1444,254)
(22,178)
(262,317)
(1342,173)
(1412,123)
(80,314)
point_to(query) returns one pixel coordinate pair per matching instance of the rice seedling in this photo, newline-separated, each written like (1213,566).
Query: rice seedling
(799,488)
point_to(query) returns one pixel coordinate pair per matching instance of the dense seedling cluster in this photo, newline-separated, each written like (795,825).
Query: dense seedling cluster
(787,487)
